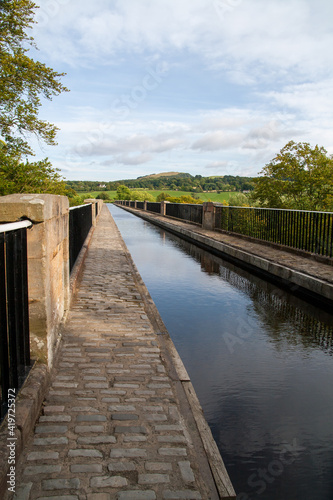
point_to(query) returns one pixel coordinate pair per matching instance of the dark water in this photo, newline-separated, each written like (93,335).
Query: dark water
(260,361)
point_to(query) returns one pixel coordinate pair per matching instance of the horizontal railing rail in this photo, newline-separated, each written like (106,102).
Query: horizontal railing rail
(14,311)
(80,222)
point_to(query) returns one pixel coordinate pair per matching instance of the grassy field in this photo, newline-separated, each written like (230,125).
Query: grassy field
(217,197)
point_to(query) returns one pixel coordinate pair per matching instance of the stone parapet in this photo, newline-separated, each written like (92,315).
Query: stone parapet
(163,207)
(48,265)
(96,208)
(208,216)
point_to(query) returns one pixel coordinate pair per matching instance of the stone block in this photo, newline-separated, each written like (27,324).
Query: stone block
(35,207)
(48,270)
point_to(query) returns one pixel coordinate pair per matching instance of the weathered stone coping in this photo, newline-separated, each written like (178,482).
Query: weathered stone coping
(301,275)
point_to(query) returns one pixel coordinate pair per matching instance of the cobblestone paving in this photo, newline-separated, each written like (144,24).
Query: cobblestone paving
(110,427)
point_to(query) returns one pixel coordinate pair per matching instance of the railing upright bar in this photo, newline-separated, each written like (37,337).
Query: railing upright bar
(25,301)
(330,251)
(12,308)
(311,234)
(18,284)
(286,229)
(267,227)
(262,226)
(296,229)
(329,239)
(4,358)
(290,229)
(305,230)
(279,225)
(326,234)
(319,237)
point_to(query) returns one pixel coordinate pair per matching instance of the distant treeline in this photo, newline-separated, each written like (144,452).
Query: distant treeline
(180,182)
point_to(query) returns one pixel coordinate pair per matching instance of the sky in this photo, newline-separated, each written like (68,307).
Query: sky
(208,87)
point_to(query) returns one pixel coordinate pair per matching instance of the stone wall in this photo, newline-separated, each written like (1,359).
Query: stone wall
(48,266)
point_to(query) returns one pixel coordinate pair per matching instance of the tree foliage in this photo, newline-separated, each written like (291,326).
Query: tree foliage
(123,193)
(23,82)
(103,196)
(299,177)
(17,176)
(141,196)
(238,200)
(178,199)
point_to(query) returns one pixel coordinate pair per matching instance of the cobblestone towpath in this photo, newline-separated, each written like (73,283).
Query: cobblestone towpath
(120,420)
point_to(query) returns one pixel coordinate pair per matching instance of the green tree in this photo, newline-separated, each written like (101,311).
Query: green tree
(162,196)
(23,82)
(103,196)
(123,193)
(26,177)
(141,196)
(238,200)
(299,177)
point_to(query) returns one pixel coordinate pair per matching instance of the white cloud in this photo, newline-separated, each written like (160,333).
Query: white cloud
(133,160)
(256,39)
(217,165)
(234,81)
(217,140)
(313,99)
(103,144)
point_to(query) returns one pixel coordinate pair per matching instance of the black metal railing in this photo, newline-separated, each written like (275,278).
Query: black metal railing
(154,207)
(14,311)
(80,222)
(140,204)
(302,230)
(190,213)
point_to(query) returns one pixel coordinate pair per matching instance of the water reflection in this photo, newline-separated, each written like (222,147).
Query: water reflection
(259,358)
(287,318)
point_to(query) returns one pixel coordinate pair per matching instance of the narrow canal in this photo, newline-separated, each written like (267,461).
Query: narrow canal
(261,362)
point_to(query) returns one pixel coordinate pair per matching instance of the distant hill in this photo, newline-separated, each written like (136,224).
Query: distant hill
(174,181)
(162,174)
(181,175)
